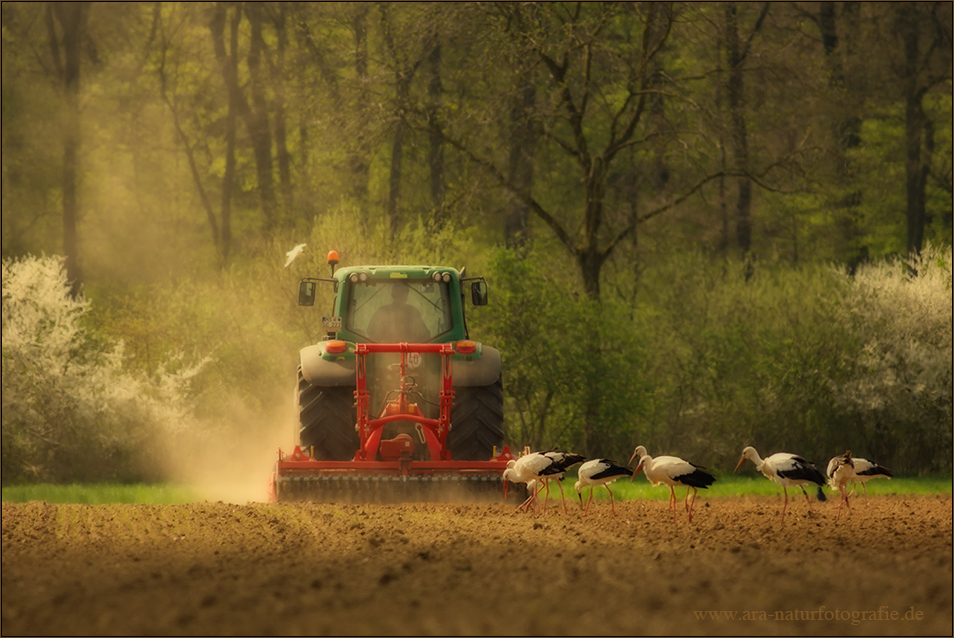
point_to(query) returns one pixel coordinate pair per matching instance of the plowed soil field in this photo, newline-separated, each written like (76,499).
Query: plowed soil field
(261,569)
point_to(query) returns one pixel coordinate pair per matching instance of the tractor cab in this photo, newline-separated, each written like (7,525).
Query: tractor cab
(393,304)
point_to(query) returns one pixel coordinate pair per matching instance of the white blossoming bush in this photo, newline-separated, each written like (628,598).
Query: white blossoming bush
(70,410)
(901,384)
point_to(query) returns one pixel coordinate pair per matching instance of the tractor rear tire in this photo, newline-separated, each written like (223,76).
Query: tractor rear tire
(476,422)
(327,416)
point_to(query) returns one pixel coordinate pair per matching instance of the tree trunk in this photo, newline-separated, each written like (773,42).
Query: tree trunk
(257,117)
(394,179)
(228,63)
(845,127)
(914,126)
(358,156)
(228,180)
(589,254)
(281,144)
(71,16)
(404,70)
(522,149)
(436,143)
(591,264)
(740,143)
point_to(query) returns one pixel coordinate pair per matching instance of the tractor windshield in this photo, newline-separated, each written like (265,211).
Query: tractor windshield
(412,311)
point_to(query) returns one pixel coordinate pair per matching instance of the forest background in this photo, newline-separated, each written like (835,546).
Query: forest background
(704,225)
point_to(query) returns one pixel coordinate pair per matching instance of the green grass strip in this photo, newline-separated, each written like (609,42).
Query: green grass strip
(726,485)
(735,485)
(102,493)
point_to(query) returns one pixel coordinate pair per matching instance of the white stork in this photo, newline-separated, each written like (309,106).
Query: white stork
(598,472)
(673,471)
(294,252)
(787,470)
(562,461)
(865,470)
(529,467)
(840,470)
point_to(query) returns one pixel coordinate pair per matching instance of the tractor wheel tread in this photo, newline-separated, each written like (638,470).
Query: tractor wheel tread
(326,418)
(477,421)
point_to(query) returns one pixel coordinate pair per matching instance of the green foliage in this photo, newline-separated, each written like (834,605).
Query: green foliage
(686,352)
(557,348)
(70,411)
(702,364)
(101,493)
(536,326)
(736,362)
(899,386)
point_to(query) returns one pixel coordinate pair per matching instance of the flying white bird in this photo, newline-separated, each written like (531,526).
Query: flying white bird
(294,252)
(787,470)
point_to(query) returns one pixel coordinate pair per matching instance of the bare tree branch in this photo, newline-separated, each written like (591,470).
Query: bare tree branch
(522,195)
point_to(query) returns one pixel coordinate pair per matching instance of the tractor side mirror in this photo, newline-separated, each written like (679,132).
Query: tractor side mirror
(478,293)
(306,293)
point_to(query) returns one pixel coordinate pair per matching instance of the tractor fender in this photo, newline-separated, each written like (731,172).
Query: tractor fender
(480,372)
(321,372)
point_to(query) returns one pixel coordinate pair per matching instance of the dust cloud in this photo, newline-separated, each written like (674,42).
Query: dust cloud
(234,462)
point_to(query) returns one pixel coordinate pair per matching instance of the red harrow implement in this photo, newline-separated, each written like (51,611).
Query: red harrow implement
(386,470)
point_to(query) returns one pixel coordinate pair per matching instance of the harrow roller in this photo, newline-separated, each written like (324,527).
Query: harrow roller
(299,477)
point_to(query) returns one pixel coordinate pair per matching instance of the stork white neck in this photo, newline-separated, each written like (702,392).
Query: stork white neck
(751,454)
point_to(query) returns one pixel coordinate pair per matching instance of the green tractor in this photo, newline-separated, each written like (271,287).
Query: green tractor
(396,387)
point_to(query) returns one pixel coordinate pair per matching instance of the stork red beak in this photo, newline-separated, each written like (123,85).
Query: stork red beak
(741,461)
(506,485)
(638,467)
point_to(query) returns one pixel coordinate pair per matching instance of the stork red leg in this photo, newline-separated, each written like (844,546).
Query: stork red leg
(695,492)
(612,505)
(588,503)
(536,500)
(811,512)
(785,506)
(525,506)
(530,500)
(562,497)
(844,500)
